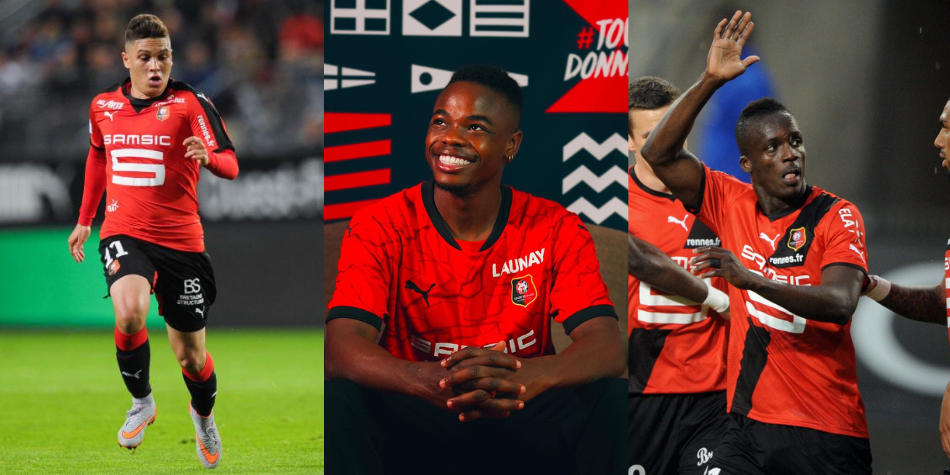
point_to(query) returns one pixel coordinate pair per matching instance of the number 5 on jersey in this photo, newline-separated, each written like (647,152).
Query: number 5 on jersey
(156,170)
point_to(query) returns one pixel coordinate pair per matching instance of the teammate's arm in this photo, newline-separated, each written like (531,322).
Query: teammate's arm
(352,353)
(833,301)
(649,264)
(924,304)
(678,169)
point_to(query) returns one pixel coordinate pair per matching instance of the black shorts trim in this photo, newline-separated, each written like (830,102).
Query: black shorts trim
(574,321)
(355,314)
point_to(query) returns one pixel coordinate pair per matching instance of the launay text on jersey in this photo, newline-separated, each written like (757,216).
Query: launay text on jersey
(517,265)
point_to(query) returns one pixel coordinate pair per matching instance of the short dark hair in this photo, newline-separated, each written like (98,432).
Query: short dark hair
(650,93)
(495,79)
(145,25)
(754,110)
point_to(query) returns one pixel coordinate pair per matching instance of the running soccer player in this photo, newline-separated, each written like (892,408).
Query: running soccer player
(677,350)
(791,380)
(149,138)
(925,304)
(441,316)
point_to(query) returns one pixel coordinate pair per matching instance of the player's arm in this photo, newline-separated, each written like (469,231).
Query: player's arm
(833,301)
(945,421)
(649,264)
(678,169)
(924,304)
(217,155)
(93,186)
(352,353)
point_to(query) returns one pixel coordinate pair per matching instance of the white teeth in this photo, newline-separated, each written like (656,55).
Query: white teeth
(450,160)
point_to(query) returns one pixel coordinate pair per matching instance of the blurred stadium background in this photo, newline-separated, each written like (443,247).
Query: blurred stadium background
(260,62)
(867,81)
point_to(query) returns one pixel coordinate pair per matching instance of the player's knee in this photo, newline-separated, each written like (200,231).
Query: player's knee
(192,361)
(130,315)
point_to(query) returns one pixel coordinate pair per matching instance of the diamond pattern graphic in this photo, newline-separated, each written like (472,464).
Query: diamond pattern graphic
(432,14)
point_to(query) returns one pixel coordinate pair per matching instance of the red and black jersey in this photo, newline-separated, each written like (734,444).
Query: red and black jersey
(430,295)
(136,155)
(784,368)
(676,346)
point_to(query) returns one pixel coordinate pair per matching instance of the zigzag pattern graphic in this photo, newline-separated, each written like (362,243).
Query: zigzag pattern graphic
(598,150)
(598,183)
(599,215)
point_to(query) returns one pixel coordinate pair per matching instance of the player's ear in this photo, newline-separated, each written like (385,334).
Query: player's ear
(125,60)
(514,143)
(745,163)
(630,145)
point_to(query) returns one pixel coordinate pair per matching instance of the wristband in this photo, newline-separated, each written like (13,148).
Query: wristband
(716,299)
(881,289)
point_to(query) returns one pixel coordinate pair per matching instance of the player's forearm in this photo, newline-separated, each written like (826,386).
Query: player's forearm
(223,164)
(93,186)
(667,139)
(822,303)
(649,264)
(924,304)
(367,364)
(598,354)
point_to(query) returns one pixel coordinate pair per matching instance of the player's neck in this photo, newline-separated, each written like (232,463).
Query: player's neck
(770,205)
(645,175)
(469,217)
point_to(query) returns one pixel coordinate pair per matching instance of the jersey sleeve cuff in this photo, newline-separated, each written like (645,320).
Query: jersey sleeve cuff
(581,316)
(356,314)
(846,264)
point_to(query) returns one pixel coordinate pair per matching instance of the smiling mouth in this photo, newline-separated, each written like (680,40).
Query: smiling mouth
(453,160)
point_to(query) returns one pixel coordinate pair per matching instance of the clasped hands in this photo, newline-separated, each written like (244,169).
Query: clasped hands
(483,383)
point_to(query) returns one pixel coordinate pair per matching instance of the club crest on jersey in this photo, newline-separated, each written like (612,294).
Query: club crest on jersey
(162,113)
(796,238)
(114,267)
(523,290)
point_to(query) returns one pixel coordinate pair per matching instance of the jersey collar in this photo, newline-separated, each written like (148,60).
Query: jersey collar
(139,104)
(791,209)
(428,200)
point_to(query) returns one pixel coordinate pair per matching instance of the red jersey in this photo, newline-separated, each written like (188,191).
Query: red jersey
(429,295)
(784,368)
(676,346)
(136,155)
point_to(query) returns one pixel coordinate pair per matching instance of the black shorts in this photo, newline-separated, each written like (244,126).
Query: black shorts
(674,433)
(183,282)
(751,447)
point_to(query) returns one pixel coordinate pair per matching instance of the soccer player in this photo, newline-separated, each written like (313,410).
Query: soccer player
(441,316)
(149,138)
(677,350)
(925,304)
(795,259)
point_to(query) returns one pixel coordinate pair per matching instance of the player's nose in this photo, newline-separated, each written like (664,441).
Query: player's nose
(940,140)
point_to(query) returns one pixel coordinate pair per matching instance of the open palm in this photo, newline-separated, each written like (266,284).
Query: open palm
(724,59)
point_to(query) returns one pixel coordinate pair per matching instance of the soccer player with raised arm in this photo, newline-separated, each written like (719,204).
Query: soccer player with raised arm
(925,304)
(438,342)
(795,259)
(677,344)
(149,138)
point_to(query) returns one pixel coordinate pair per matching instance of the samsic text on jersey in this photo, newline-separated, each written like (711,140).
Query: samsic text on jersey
(676,346)
(784,368)
(136,149)
(429,295)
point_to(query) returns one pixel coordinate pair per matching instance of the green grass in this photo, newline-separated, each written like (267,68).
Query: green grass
(62,402)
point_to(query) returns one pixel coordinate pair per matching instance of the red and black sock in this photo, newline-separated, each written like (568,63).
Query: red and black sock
(133,354)
(202,386)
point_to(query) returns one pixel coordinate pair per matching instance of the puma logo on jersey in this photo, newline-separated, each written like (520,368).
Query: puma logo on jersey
(771,242)
(130,375)
(415,288)
(512,266)
(681,222)
(110,115)
(855,249)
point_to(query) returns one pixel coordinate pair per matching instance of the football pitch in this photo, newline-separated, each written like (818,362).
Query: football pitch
(62,402)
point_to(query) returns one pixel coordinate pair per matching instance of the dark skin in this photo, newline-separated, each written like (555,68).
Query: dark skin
(649,264)
(476,129)
(773,155)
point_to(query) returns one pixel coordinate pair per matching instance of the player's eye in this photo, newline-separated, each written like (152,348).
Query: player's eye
(477,127)
(796,142)
(438,121)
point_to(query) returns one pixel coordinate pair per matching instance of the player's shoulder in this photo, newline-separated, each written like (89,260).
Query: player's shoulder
(529,210)
(829,201)
(391,213)
(188,91)
(109,97)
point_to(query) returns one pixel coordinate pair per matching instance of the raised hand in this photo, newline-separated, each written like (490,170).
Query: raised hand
(724,60)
